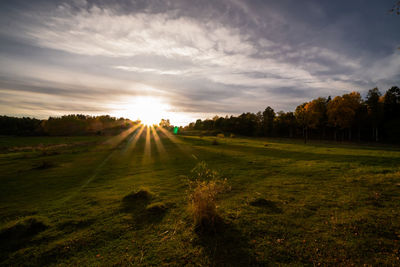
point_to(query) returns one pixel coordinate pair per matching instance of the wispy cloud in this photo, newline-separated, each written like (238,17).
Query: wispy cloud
(215,58)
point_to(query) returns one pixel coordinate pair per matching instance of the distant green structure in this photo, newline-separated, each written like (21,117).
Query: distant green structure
(176,130)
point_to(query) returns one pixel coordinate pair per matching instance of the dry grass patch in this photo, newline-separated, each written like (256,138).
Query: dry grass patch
(205,185)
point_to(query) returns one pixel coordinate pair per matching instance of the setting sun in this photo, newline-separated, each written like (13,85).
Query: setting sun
(149,110)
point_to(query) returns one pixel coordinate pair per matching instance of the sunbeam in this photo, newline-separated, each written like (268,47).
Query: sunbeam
(132,142)
(113,142)
(147,147)
(181,145)
(159,144)
(116,140)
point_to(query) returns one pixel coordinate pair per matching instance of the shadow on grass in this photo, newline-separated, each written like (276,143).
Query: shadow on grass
(143,212)
(225,245)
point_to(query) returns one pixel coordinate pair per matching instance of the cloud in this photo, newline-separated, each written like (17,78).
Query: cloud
(221,57)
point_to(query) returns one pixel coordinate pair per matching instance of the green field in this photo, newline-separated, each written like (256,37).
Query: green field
(61,202)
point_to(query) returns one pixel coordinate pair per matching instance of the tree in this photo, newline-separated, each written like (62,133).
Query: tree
(268,121)
(342,111)
(392,103)
(391,107)
(374,111)
(285,124)
(165,123)
(316,114)
(302,119)
(395,9)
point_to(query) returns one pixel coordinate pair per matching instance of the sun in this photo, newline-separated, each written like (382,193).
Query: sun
(149,110)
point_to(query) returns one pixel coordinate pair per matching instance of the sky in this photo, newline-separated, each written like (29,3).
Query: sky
(190,59)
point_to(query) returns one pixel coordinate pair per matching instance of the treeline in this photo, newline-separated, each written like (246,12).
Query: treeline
(346,117)
(67,125)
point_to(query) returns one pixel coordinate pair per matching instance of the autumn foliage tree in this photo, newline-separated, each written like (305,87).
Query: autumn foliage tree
(342,112)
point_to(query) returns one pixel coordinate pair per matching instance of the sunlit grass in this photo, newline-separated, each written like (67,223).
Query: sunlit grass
(290,203)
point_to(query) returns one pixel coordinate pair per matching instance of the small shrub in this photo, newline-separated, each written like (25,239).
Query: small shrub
(220,135)
(203,199)
(232,136)
(201,172)
(204,187)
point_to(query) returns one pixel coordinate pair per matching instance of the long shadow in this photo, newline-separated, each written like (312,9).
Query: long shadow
(226,246)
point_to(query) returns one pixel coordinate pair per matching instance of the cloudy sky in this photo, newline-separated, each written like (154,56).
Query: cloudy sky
(190,59)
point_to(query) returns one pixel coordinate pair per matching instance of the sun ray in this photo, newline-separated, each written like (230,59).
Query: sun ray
(135,138)
(116,140)
(147,146)
(113,143)
(158,142)
(181,145)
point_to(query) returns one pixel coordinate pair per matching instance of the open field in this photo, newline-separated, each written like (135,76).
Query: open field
(62,202)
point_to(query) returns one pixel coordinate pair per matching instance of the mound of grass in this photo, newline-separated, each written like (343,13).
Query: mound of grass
(25,228)
(136,201)
(141,195)
(19,234)
(157,208)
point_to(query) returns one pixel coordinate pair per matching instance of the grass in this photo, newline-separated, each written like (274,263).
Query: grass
(289,203)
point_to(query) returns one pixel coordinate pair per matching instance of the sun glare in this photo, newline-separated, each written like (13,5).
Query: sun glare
(149,110)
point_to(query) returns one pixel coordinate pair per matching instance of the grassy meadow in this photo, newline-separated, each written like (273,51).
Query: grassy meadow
(68,201)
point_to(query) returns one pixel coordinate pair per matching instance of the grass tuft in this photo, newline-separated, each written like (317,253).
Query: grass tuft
(204,187)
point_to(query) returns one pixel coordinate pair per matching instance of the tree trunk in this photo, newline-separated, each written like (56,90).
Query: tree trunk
(350,134)
(376,135)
